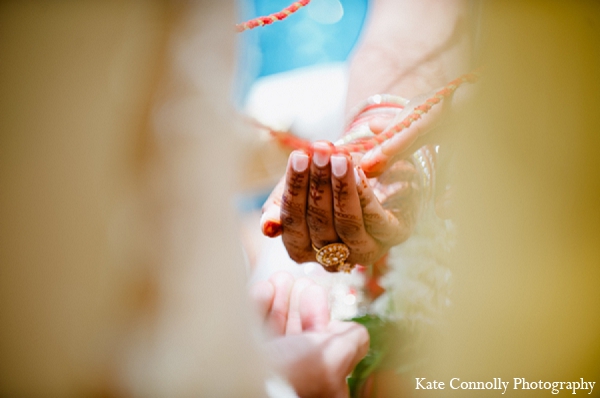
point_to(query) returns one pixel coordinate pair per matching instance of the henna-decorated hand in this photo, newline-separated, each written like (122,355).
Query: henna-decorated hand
(325,199)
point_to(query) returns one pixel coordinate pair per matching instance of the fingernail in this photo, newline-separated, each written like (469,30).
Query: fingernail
(270,226)
(272,229)
(339,165)
(357,177)
(321,155)
(299,162)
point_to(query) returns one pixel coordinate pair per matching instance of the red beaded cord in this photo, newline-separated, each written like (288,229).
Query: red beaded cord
(363,145)
(278,16)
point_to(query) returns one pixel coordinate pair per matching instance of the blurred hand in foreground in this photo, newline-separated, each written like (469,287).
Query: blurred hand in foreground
(313,352)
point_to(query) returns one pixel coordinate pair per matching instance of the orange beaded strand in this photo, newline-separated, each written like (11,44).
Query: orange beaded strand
(366,144)
(267,20)
(363,144)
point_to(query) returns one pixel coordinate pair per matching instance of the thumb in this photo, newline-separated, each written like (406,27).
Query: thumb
(270,221)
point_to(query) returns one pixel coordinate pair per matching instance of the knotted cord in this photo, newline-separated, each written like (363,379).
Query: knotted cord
(269,19)
(365,144)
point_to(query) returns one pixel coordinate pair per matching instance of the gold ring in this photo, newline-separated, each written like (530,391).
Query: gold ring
(333,257)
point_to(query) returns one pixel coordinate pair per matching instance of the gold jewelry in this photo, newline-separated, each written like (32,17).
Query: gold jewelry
(333,257)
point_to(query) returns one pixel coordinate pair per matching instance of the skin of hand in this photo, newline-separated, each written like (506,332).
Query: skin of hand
(380,158)
(324,199)
(429,129)
(315,353)
(410,49)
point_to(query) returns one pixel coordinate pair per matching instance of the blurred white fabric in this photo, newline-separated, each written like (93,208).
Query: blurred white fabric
(309,101)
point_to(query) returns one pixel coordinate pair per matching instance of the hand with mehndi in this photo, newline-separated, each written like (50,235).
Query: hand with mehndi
(325,199)
(313,352)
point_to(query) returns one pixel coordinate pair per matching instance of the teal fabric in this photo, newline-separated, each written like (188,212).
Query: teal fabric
(305,38)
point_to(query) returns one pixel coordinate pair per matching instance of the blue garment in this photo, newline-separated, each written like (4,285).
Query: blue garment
(324,31)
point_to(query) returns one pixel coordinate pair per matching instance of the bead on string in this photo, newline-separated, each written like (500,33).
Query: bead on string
(364,144)
(269,19)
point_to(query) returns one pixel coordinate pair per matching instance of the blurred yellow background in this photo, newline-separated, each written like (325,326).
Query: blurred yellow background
(83,279)
(527,269)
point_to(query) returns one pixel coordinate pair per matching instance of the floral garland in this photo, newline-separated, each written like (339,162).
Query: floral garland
(416,291)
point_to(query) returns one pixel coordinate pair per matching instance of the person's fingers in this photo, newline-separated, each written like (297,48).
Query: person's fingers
(348,215)
(319,211)
(295,233)
(380,223)
(318,363)
(283,283)
(352,342)
(294,321)
(377,159)
(315,363)
(314,309)
(399,193)
(379,123)
(270,221)
(400,171)
(435,135)
(262,294)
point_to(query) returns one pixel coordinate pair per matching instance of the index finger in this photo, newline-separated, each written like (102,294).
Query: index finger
(295,235)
